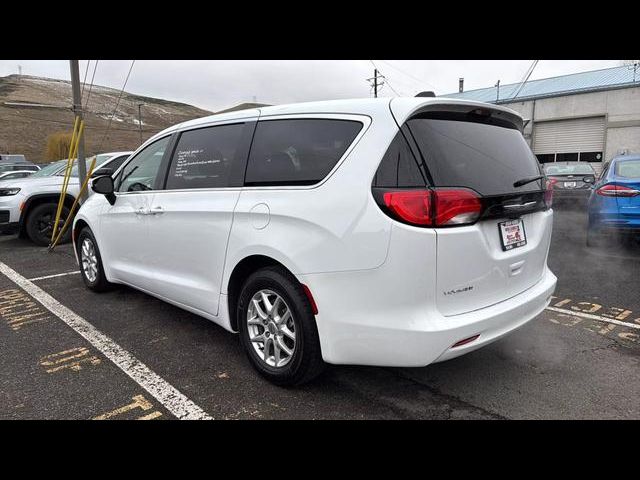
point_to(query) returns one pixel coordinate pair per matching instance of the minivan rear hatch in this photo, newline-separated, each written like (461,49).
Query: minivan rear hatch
(504,252)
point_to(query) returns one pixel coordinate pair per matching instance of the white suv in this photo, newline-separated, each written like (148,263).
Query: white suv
(375,232)
(28,205)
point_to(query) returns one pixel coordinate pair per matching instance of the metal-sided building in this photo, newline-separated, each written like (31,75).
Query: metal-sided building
(589,116)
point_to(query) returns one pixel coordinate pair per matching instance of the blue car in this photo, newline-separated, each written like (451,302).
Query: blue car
(614,204)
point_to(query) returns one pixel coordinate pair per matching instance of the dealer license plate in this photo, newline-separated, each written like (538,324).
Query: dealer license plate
(512,234)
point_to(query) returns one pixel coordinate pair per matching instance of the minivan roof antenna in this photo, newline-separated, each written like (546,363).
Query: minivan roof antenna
(426,94)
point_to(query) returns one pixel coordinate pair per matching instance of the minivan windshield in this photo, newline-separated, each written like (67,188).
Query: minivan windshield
(49,170)
(485,157)
(569,169)
(99,161)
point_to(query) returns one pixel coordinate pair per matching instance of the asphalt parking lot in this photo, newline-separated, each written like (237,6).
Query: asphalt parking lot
(69,353)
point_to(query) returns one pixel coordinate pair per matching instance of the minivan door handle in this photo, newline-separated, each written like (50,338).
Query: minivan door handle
(157,210)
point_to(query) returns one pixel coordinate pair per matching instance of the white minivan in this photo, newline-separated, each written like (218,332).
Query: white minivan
(395,232)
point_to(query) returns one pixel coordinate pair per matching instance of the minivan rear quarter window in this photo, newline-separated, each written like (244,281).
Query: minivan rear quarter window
(399,168)
(298,151)
(486,157)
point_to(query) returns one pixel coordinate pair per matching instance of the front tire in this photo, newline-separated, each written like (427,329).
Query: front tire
(278,329)
(40,221)
(90,260)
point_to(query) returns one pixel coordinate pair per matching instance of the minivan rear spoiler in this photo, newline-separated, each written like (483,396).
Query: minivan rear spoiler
(405,108)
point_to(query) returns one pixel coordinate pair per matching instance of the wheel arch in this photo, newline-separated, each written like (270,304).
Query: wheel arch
(35,200)
(78,225)
(240,273)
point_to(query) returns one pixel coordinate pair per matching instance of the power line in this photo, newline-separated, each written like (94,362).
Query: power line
(86,70)
(117,103)
(527,75)
(406,87)
(393,89)
(409,75)
(91,86)
(384,78)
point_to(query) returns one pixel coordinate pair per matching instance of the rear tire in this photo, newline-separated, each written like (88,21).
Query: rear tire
(39,224)
(290,359)
(91,268)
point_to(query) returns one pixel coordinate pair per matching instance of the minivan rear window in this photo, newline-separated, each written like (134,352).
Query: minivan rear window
(485,157)
(298,151)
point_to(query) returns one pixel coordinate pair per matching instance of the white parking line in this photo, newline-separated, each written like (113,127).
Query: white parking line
(591,316)
(35,279)
(171,398)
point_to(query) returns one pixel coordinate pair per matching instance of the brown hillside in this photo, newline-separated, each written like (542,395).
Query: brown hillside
(24,129)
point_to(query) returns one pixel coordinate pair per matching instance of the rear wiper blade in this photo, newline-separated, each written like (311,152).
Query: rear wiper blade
(526,180)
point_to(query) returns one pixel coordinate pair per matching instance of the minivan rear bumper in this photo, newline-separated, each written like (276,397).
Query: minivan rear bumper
(417,336)
(496,321)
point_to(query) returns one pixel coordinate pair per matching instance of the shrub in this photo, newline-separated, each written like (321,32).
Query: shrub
(58,146)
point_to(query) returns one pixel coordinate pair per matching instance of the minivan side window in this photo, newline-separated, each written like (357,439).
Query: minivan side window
(206,157)
(298,151)
(141,172)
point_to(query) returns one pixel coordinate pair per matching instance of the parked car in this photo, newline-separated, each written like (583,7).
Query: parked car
(28,205)
(12,175)
(375,232)
(614,205)
(14,167)
(13,158)
(571,181)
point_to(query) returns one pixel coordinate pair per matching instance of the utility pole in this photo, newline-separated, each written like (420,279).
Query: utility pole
(374,82)
(77,109)
(140,120)
(498,91)
(633,65)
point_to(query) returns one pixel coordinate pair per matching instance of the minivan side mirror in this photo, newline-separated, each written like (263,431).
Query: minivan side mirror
(102,171)
(104,185)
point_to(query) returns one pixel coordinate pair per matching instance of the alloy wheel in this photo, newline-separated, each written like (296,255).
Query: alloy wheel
(271,328)
(89,260)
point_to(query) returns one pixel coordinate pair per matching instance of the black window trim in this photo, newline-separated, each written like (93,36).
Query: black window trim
(363,119)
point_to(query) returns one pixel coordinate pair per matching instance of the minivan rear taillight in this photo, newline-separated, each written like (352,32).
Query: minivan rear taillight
(456,206)
(610,190)
(439,207)
(410,206)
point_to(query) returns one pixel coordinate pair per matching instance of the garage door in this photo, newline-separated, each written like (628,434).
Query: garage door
(568,136)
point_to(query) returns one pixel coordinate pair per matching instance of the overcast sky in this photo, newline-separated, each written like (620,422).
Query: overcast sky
(215,85)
